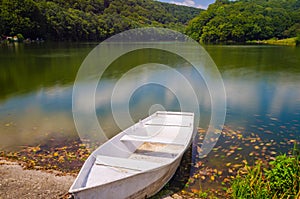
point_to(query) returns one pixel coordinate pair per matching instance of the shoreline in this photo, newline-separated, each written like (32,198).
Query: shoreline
(279,42)
(17,182)
(196,177)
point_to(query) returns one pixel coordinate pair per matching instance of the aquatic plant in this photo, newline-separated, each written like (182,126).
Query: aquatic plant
(250,185)
(281,179)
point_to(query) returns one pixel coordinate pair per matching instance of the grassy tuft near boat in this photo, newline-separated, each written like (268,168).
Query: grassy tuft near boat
(139,161)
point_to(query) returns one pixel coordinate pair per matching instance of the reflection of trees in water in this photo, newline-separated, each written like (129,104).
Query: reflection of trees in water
(27,68)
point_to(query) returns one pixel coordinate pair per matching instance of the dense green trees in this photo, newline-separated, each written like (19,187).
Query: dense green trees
(245,20)
(87,19)
(19,17)
(223,21)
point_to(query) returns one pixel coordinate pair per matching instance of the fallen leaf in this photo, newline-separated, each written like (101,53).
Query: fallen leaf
(195,191)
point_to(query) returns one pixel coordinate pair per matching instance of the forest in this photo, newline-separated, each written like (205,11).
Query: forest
(88,20)
(96,20)
(246,20)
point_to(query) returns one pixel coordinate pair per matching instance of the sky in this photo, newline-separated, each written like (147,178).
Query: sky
(192,3)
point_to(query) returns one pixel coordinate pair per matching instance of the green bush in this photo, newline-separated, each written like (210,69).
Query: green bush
(298,40)
(280,180)
(20,37)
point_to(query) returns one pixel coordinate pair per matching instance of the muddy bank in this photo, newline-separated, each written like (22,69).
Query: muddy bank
(15,182)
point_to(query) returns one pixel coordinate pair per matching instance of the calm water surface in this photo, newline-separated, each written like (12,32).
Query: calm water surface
(262,85)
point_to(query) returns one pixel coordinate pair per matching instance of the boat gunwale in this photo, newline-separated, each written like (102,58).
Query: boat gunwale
(166,164)
(172,160)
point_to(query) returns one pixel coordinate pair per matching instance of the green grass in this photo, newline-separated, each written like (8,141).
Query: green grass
(287,42)
(279,179)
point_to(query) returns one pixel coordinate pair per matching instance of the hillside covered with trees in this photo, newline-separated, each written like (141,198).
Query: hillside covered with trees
(88,19)
(245,20)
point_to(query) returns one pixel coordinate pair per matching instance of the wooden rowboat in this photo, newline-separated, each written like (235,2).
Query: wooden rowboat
(137,162)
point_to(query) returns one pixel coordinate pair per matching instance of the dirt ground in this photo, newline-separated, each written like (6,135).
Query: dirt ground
(15,182)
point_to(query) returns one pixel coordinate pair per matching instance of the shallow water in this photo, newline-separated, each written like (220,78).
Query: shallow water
(262,85)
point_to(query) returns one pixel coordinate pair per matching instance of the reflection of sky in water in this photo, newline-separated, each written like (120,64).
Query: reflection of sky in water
(29,118)
(138,92)
(255,99)
(247,98)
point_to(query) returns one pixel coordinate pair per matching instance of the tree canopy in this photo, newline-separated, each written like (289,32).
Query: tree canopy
(88,19)
(246,20)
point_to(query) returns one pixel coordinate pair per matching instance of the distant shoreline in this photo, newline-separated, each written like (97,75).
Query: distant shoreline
(280,42)
(283,42)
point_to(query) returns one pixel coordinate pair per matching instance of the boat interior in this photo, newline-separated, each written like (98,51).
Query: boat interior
(147,145)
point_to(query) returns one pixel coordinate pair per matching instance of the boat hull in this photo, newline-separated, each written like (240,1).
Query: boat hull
(139,161)
(139,186)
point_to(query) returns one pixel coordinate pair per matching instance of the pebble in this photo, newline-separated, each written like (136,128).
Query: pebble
(168,197)
(176,196)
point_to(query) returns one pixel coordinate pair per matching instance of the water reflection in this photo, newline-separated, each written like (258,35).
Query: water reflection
(29,119)
(260,96)
(27,68)
(135,93)
(262,85)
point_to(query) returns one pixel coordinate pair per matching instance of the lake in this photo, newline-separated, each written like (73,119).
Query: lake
(262,86)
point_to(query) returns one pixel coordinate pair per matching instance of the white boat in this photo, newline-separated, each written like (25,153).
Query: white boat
(137,162)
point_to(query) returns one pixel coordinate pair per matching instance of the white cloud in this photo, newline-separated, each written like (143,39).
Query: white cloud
(190,3)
